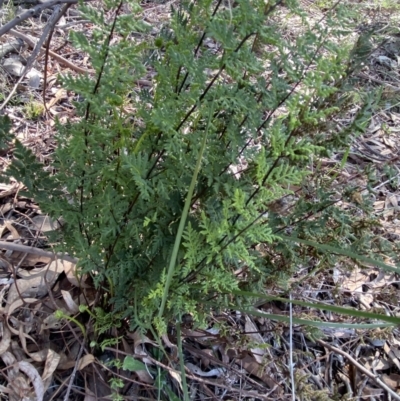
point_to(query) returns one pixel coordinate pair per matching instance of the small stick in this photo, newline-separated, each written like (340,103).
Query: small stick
(35,251)
(57,57)
(375,378)
(31,12)
(52,21)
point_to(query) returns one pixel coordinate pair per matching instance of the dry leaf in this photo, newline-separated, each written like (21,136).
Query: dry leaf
(138,340)
(45,224)
(177,377)
(391,354)
(255,336)
(89,395)
(355,280)
(37,282)
(60,94)
(144,376)
(36,356)
(51,322)
(254,368)
(12,229)
(9,309)
(71,304)
(72,276)
(21,389)
(5,340)
(52,361)
(7,190)
(172,347)
(392,380)
(34,376)
(196,370)
(85,361)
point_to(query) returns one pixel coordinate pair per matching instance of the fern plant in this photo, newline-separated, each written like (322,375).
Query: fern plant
(167,192)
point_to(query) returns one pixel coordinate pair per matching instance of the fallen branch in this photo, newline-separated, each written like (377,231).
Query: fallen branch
(55,16)
(360,367)
(11,246)
(31,12)
(31,42)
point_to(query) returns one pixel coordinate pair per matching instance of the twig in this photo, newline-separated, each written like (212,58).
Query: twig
(52,21)
(31,12)
(35,251)
(379,81)
(190,375)
(12,46)
(61,13)
(385,182)
(30,41)
(291,366)
(375,378)
(72,377)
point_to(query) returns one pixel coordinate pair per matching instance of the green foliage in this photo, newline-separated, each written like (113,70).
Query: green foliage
(5,136)
(33,109)
(261,102)
(132,364)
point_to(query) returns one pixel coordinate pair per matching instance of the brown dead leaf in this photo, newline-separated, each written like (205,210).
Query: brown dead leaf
(97,384)
(9,360)
(252,367)
(89,395)
(5,340)
(392,380)
(370,393)
(34,377)
(9,189)
(72,276)
(36,283)
(33,288)
(44,223)
(51,322)
(172,347)
(52,361)
(138,341)
(391,353)
(26,259)
(380,364)
(256,338)
(71,304)
(355,280)
(36,356)
(85,361)
(20,389)
(144,376)
(12,229)
(68,363)
(177,377)
(60,94)
(18,385)
(392,201)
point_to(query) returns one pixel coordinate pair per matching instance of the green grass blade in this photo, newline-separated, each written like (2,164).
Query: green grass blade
(344,252)
(182,363)
(185,212)
(313,323)
(332,308)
